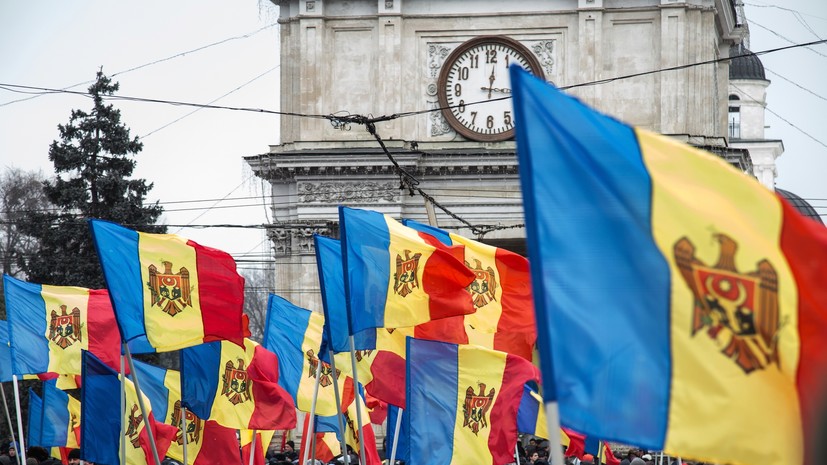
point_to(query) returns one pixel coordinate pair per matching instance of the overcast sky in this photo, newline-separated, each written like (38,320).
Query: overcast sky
(60,44)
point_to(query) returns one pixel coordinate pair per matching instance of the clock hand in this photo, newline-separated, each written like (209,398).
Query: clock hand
(496,89)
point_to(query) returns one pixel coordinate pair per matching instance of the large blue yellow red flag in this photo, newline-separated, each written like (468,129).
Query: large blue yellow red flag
(100,438)
(394,278)
(651,254)
(327,445)
(169,290)
(462,402)
(501,292)
(207,441)
(294,334)
(61,418)
(49,326)
(35,422)
(237,387)
(351,434)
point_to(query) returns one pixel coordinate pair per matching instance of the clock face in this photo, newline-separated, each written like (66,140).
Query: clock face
(474,88)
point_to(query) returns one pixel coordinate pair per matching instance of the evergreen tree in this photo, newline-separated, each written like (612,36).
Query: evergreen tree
(93,161)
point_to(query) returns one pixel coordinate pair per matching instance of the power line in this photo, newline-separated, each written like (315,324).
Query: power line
(785,9)
(807,46)
(796,84)
(155,62)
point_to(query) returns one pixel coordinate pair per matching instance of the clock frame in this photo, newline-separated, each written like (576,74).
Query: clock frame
(472,98)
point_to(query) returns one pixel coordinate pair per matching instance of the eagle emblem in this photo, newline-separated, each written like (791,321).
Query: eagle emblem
(405,279)
(476,408)
(325,373)
(360,354)
(484,286)
(169,290)
(194,425)
(351,427)
(65,329)
(738,310)
(133,425)
(236,383)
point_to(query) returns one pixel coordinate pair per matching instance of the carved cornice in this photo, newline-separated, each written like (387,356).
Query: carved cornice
(351,192)
(297,237)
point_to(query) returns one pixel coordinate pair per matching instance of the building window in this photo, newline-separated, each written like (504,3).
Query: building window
(734,117)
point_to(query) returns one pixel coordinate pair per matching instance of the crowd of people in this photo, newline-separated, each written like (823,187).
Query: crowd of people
(35,455)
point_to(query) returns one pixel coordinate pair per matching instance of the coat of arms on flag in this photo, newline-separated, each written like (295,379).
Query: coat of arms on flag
(65,329)
(133,426)
(325,373)
(170,291)
(476,408)
(236,383)
(194,425)
(405,279)
(740,310)
(484,286)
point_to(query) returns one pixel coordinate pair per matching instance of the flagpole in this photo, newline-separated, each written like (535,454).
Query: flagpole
(184,427)
(516,454)
(358,406)
(553,423)
(253,447)
(339,414)
(399,413)
(8,418)
(123,412)
(21,452)
(144,412)
(600,452)
(311,422)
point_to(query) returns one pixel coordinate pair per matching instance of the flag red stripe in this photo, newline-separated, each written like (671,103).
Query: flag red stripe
(444,279)
(104,338)
(804,243)
(503,420)
(274,407)
(517,305)
(221,292)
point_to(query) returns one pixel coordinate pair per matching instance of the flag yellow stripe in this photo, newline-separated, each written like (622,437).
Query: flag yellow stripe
(66,360)
(489,309)
(405,310)
(706,384)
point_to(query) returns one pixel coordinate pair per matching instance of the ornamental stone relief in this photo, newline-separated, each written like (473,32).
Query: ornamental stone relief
(297,239)
(437,53)
(338,192)
(545,52)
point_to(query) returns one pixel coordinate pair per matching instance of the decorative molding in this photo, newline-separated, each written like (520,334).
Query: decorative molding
(545,51)
(438,124)
(281,242)
(437,53)
(297,238)
(351,192)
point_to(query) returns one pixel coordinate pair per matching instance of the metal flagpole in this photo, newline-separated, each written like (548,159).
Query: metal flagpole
(357,400)
(399,412)
(516,454)
(21,452)
(553,422)
(123,412)
(8,418)
(311,422)
(144,411)
(339,413)
(184,428)
(253,447)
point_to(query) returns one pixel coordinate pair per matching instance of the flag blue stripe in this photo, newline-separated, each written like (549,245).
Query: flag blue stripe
(35,419)
(117,249)
(527,413)
(433,373)
(366,257)
(26,313)
(5,353)
(402,450)
(152,379)
(199,375)
(99,422)
(596,270)
(54,429)
(284,335)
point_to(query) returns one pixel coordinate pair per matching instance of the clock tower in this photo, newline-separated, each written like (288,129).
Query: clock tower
(388,100)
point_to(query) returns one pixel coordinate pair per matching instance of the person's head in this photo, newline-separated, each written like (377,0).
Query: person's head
(532,441)
(74,457)
(534,456)
(637,461)
(38,453)
(289,446)
(588,458)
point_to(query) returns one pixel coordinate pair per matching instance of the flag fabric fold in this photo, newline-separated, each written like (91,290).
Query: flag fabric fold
(61,418)
(169,291)
(394,278)
(49,326)
(35,423)
(263,439)
(294,334)
(632,233)
(327,444)
(207,441)
(237,387)
(101,425)
(462,402)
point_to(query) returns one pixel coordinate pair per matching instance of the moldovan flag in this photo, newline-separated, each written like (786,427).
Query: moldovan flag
(394,278)
(50,325)
(263,439)
(531,417)
(170,290)
(35,423)
(327,444)
(101,424)
(331,424)
(501,292)
(5,353)
(207,441)
(463,402)
(601,451)
(237,387)
(294,334)
(633,233)
(61,418)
